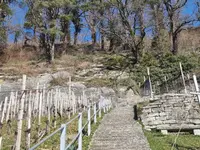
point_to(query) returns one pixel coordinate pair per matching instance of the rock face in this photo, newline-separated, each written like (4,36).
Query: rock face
(170,112)
(45,79)
(127,97)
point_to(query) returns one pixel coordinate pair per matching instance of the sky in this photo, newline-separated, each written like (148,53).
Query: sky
(19,15)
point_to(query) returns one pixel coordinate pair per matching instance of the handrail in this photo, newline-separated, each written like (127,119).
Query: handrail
(56,131)
(46,138)
(80,129)
(76,137)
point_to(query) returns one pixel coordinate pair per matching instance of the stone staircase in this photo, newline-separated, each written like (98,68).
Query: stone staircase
(118,131)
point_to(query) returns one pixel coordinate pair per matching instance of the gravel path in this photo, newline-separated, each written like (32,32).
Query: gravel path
(118,131)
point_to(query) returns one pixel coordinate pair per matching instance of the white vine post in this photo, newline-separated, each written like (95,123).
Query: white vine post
(150,85)
(55,104)
(49,106)
(70,96)
(104,105)
(89,121)
(37,99)
(28,140)
(4,109)
(183,77)
(20,116)
(43,100)
(2,118)
(61,103)
(80,132)
(8,109)
(63,137)
(84,99)
(1,105)
(196,87)
(40,108)
(144,78)
(99,105)
(95,113)
(12,104)
(15,103)
(166,84)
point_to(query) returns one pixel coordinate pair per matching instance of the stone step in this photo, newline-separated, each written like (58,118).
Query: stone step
(118,131)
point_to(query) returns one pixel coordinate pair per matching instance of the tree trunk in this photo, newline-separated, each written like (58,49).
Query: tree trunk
(75,37)
(68,35)
(111,46)
(102,26)
(175,44)
(52,52)
(142,33)
(94,37)
(102,42)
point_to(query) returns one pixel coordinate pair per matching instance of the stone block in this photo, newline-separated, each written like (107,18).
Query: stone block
(170,122)
(195,121)
(153,115)
(157,122)
(156,110)
(196,131)
(162,114)
(147,128)
(165,132)
(178,105)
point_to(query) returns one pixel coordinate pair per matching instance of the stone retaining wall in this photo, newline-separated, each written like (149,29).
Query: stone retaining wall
(170,112)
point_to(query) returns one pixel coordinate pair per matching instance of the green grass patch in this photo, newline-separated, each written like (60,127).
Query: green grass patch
(159,141)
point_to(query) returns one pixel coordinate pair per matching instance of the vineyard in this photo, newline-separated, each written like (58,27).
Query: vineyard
(29,115)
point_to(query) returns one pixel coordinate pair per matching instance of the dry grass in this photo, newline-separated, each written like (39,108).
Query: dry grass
(72,63)
(15,61)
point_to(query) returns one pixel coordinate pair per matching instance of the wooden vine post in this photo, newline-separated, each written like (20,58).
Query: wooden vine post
(183,77)
(150,85)
(2,118)
(28,131)
(20,116)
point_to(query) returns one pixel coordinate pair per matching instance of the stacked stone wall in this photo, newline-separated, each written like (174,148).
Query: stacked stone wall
(172,112)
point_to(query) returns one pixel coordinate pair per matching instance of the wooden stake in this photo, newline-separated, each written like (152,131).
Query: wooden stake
(150,85)
(183,77)
(28,132)
(166,84)
(196,87)
(4,109)
(20,116)
(49,111)
(40,109)
(8,110)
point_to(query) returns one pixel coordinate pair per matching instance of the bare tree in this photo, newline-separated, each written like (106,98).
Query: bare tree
(126,23)
(176,21)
